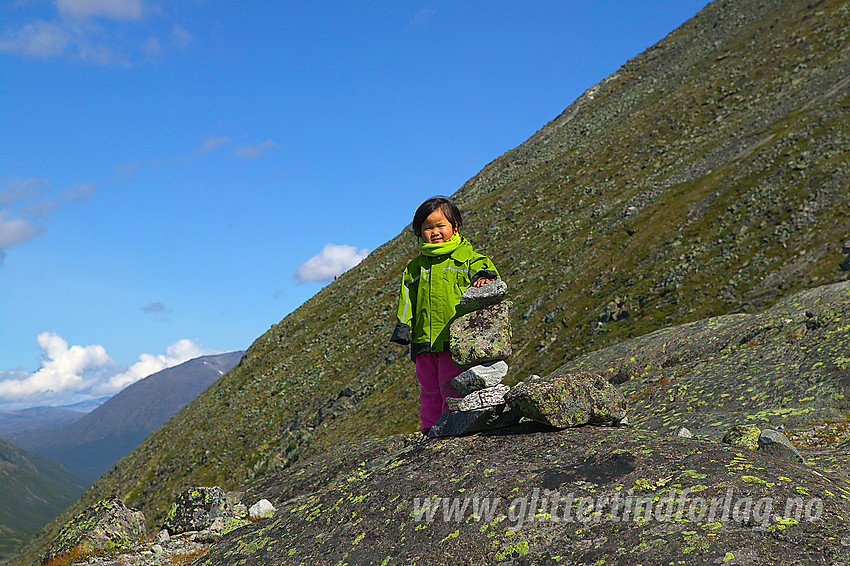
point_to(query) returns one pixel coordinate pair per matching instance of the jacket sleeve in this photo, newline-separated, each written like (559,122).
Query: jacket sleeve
(404,314)
(483,268)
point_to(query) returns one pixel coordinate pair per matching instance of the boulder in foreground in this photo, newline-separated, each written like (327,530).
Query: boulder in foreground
(568,400)
(106,524)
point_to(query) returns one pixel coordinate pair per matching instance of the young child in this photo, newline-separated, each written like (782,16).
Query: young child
(429,300)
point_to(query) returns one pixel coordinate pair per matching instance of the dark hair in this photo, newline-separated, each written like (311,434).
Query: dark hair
(432,204)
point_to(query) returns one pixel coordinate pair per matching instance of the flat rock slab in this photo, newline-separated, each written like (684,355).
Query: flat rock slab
(481,336)
(624,496)
(568,400)
(697,374)
(476,298)
(481,399)
(457,423)
(481,376)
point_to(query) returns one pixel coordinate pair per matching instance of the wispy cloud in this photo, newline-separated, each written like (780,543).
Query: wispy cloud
(211,144)
(39,39)
(422,18)
(254,151)
(109,9)
(25,207)
(333,260)
(72,373)
(156,308)
(102,32)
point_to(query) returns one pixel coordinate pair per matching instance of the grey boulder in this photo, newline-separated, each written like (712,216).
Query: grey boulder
(568,400)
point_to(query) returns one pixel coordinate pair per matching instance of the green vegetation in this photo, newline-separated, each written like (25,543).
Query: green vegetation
(35,490)
(706,177)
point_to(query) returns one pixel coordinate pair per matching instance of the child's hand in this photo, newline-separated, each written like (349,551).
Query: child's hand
(481,282)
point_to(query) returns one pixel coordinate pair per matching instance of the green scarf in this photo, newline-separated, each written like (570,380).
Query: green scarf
(443,248)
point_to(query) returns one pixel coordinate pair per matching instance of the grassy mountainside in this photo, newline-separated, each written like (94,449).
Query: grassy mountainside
(35,490)
(707,176)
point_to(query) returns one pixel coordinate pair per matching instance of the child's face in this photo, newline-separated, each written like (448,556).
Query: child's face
(437,229)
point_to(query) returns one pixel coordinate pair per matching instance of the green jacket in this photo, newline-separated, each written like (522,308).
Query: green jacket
(430,293)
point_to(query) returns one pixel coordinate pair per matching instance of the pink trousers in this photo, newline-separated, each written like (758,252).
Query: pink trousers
(435,371)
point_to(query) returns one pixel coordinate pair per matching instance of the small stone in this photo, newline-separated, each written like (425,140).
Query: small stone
(475,298)
(480,377)
(776,443)
(456,423)
(684,433)
(163,536)
(263,509)
(217,525)
(157,549)
(488,397)
(240,510)
(568,400)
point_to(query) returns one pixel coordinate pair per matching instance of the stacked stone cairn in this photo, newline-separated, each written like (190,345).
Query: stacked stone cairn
(480,342)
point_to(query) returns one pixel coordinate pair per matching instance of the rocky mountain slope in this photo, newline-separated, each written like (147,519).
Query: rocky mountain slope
(92,444)
(35,490)
(605,495)
(708,176)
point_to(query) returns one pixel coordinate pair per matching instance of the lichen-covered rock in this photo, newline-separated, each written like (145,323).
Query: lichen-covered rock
(489,397)
(746,435)
(106,524)
(776,443)
(195,509)
(476,298)
(533,495)
(481,376)
(457,423)
(787,365)
(481,336)
(568,400)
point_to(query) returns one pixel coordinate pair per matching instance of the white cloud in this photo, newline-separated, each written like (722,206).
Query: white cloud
(103,32)
(333,260)
(15,231)
(26,204)
(39,39)
(81,372)
(179,352)
(109,9)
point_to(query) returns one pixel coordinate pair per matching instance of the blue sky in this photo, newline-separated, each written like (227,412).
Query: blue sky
(176,177)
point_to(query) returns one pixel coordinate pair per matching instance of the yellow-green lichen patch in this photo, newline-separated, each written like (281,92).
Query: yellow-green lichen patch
(519,549)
